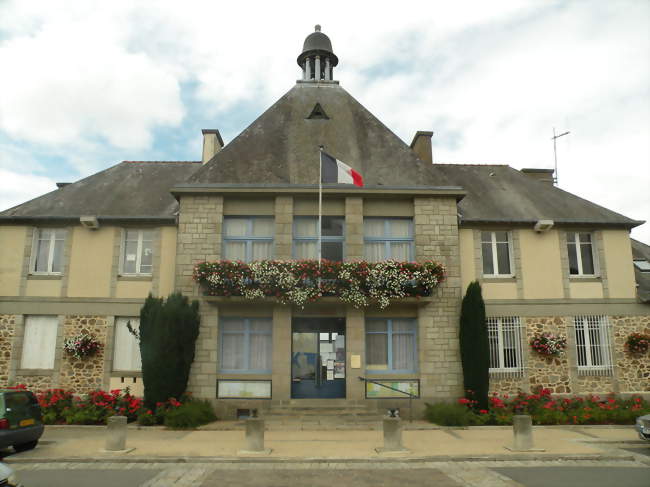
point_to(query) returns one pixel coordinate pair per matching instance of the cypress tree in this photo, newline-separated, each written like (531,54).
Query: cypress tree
(474,347)
(168,332)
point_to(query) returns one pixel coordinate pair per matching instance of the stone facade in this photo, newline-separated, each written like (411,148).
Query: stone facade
(7,329)
(83,376)
(633,371)
(547,372)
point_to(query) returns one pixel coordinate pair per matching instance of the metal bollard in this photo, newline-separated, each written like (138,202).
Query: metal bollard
(116,434)
(392,436)
(255,437)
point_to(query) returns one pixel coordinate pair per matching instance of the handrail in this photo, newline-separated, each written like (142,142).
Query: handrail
(411,396)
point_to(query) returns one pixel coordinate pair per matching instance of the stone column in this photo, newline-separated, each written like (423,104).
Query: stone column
(307,69)
(327,69)
(281,353)
(353,228)
(116,434)
(522,428)
(392,436)
(317,69)
(255,437)
(283,238)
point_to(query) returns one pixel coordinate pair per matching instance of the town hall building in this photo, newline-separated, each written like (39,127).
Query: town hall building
(85,256)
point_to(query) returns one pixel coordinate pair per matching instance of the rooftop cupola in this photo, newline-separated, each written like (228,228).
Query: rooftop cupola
(317,59)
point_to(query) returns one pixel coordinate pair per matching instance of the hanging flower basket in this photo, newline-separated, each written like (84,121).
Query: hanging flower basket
(548,344)
(637,343)
(299,282)
(81,346)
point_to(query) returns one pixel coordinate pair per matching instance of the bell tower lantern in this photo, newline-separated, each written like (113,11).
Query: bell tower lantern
(317,59)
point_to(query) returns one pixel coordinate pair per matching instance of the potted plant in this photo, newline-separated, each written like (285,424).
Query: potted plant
(548,344)
(81,346)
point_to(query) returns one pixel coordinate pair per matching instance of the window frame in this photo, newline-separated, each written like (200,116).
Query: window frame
(138,257)
(248,239)
(588,368)
(50,258)
(118,319)
(389,336)
(324,238)
(594,255)
(498,322)
(495,254)
(387,239)
(51,351)
(247,336)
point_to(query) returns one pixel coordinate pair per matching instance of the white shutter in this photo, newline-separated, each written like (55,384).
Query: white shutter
(39,342)
(126,352)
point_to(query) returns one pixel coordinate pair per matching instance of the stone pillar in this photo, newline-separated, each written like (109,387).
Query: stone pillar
(317,69)
(304,69)
(392,436)
(307,69)
(255,437)
(283,238)
(353,228)
(327,69)
(281,352)
(354,346)
(116,433)
(203,372)
(522,428)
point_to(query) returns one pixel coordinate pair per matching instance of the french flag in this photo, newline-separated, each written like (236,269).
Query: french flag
(335,171)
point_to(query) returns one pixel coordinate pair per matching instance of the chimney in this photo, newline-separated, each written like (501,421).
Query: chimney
(421,145)
(212,143)
(541,175)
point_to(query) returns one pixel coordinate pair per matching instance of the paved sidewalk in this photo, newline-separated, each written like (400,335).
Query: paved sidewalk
(72,443)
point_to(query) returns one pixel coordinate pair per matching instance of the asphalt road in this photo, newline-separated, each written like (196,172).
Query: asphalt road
(578,476)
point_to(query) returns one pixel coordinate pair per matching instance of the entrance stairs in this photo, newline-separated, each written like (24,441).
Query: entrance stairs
(321,414)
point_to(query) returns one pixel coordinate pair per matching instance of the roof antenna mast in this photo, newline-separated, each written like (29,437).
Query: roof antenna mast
(554,139)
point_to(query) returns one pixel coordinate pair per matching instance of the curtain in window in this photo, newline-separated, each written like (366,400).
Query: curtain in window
(262,227)
(262,250)
(260,351)
(232,351)
(374,251)
(400,251)
(373,227)
(403,345)
(234,250)
(377,351)
(43,251)
(39,342)
(126,354)
(400,228)
(306,227)
(235,227)
(305,249)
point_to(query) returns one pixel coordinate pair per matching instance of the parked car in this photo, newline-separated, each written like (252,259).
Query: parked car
(8,476)
(642,427)
(21,424)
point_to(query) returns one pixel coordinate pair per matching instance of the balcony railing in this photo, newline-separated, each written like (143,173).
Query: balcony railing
(300,282)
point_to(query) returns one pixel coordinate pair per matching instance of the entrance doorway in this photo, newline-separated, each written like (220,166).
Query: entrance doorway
(318,358)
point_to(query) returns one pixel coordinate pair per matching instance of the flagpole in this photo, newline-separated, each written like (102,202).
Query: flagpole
(320,202)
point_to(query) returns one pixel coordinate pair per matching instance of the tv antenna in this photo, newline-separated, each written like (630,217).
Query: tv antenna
(554,139)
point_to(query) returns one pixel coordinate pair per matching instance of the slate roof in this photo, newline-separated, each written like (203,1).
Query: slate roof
(281,146)
(641,251)
(128,190)
(502,194)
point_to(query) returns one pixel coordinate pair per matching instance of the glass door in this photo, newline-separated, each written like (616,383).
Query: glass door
(318,358)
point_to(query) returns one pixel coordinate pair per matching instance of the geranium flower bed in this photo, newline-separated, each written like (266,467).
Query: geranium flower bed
(544,409)
(299,282)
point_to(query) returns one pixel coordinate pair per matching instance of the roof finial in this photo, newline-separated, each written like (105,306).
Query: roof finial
(317,27)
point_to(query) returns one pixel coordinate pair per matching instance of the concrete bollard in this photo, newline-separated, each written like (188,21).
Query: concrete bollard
(116,434)
(522,428)
(392,436)
(255,437)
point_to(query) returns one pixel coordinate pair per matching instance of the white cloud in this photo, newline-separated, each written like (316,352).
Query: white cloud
(490,78)
(20,187)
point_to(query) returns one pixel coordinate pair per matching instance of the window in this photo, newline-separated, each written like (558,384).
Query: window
(496,251)
(126,353)
(47,253)
(305,238)
(581,255)
(246,345)
(137,252)
(39,342)
(391,345)
(592,345)
(247,239)
(388,238)
(504,338)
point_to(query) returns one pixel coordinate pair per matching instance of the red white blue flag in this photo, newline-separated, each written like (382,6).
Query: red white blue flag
(335,171)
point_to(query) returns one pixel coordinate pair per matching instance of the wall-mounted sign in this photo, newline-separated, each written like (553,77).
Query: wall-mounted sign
(244,389)
(355,361)
(375,391)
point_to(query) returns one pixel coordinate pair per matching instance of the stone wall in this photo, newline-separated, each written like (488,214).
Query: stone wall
(7,330)
(436,238)
(633,371)
(547,372)
(83,376)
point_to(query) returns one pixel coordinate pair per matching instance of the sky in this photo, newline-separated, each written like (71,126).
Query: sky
(87,84)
